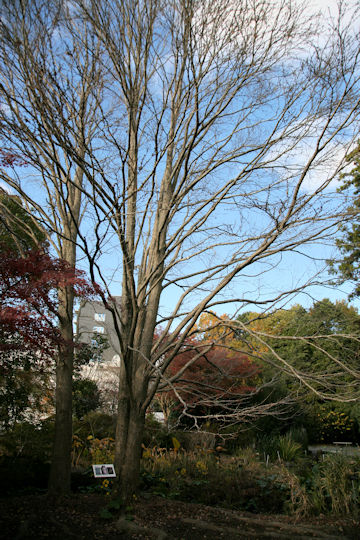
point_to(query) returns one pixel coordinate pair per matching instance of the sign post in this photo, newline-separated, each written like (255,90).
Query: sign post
(104,470)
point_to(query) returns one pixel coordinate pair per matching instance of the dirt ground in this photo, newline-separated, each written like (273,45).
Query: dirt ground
(87,516)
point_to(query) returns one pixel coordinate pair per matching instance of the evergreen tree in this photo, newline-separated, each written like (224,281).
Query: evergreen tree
(348,268)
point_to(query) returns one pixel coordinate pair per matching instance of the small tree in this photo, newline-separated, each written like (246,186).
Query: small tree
(86,396)
(215,384)
(29,333)
(49,97)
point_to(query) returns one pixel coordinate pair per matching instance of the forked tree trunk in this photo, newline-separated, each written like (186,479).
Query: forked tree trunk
(60,471)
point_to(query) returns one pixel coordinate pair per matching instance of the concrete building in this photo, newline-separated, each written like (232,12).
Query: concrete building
(93,319)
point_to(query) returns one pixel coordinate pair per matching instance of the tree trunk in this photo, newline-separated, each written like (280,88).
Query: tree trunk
(130,470)
(129,434)
(60,472)
(122,421)
(127,459)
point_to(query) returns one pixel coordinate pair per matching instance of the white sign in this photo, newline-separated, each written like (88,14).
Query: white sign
(104,470)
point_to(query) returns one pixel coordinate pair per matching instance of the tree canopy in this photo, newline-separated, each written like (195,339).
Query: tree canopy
(348,269)
(210,382)
(321,342)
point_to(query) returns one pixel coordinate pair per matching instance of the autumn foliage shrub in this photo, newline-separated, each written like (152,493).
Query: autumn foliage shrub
(209,374)
(330,425)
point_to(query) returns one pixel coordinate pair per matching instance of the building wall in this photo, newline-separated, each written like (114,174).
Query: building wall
(92,318)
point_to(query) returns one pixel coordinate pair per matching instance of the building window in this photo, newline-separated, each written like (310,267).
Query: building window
(99,329)
(100,317)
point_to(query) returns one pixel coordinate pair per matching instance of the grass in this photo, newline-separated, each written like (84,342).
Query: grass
(239,482)
(245,482)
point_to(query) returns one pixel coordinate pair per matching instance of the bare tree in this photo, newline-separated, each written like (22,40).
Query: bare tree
(207,153)
(49,87)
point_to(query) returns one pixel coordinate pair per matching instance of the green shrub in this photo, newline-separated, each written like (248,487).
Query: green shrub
(279,447)
(29,440)
(98,424)
(287,448)
(86,397)
(156,434)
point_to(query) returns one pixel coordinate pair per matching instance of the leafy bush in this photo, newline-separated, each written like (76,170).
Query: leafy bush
(29,440)
(335,426)
(98,424)
(327,425)
(86,397)
(279,447)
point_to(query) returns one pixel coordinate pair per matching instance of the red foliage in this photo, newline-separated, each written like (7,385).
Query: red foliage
(28,299)
(214,379)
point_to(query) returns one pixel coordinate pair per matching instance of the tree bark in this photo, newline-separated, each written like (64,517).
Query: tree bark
(129,433)
(130,422)
(129,472)
(60,471)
